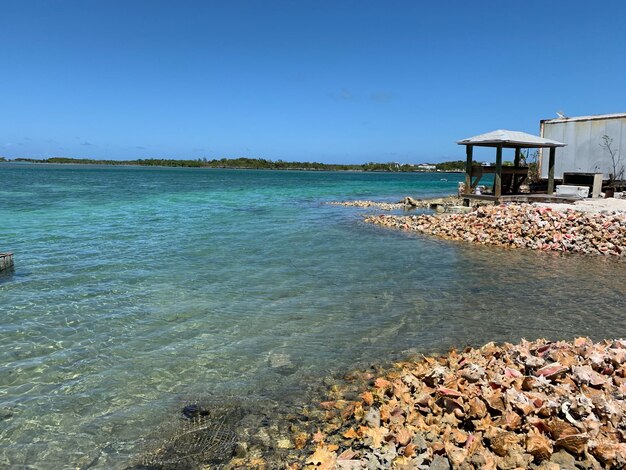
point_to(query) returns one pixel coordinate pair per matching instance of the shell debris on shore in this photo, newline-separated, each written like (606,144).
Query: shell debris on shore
(385,206)
(523,226)
(539,405)
(406,203)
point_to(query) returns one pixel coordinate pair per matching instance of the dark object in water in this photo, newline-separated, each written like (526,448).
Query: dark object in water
(6,261)
(204,438)
(195,411)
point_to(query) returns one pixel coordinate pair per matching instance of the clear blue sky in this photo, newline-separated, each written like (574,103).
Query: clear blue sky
(330,81)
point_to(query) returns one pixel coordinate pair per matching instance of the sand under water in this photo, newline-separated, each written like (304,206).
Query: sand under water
(140,292)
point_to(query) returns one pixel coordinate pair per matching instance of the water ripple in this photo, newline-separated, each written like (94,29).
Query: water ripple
(134,286)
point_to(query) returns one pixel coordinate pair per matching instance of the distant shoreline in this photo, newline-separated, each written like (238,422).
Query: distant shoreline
(244,164)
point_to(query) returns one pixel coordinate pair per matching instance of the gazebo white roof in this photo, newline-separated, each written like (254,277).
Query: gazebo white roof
(510,139)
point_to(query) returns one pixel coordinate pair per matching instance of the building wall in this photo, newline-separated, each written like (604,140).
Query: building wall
(583,137)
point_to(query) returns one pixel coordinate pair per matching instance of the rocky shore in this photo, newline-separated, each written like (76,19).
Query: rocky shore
(405,203)
(523,226)
(537,405)
(385,206)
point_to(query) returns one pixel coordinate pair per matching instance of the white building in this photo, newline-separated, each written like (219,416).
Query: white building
(585,152)
(426,167)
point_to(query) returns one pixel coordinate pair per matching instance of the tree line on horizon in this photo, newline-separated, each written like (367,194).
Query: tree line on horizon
(251,163)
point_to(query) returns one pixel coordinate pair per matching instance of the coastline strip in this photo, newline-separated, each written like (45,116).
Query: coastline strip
(406,203)
(523,226)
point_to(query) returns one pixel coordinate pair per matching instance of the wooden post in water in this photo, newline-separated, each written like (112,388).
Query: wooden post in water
(6,261)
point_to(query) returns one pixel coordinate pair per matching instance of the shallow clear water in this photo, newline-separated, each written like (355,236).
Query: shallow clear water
(136,287)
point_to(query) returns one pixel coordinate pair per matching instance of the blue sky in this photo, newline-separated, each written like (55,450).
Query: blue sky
(330,81)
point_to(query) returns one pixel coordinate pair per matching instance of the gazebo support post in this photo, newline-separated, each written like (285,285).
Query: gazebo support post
(468,168)
(551,171)
(497,192)
(516,163)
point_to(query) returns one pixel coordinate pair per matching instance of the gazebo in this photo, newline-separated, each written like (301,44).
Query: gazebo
(515,174)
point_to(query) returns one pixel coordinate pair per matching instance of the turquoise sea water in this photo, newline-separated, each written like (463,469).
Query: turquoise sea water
(136,288)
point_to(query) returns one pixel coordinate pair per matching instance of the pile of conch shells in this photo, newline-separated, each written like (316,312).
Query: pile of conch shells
(523,225)
(405,203)
(385,206)
(539,405)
